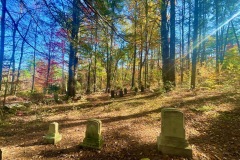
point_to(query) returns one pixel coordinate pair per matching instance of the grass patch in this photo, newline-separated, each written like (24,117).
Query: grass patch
(205,108)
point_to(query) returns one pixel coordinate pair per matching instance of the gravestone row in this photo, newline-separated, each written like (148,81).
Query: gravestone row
(171,141)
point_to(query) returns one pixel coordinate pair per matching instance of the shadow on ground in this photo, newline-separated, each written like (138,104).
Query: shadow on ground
(220,135)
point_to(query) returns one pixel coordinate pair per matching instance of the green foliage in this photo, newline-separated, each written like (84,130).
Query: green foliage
(169,86)
(231,66)
(205,108)
(53,89)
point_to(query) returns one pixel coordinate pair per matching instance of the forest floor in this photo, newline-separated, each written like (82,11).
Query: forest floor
(130,126)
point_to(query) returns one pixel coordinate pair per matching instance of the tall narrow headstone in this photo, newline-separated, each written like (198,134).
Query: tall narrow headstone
(172,140)
(93,137)
(53,135)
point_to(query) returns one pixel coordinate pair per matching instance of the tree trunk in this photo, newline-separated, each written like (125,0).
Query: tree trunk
(164,43)
(217,39)
(135,45)
(2,39)
(73,59)
(21,55)
(194,55)
(13,60)
(182,54)
(172,43)
(34,61)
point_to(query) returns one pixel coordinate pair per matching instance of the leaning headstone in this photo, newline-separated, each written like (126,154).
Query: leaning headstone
(53,135)
(93,137)
(172,140)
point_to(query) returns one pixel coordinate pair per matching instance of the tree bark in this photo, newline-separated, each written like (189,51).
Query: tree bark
(194,55)
(73,59)
(2,39)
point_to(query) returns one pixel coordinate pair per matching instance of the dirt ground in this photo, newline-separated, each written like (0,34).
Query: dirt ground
(130,126)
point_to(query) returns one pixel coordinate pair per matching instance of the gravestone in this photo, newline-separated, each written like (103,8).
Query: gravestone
(172,140)
(93,137)
(125,90)
(53,135)
(112,93)
(142,88)
(121,93)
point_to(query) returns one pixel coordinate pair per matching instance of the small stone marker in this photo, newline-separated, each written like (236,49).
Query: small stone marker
(93,137)
(172,139)
(53,135)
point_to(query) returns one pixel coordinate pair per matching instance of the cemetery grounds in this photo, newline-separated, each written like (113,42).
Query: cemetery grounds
(130,126)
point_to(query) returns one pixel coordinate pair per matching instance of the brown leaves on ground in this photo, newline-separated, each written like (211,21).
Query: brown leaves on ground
(130,127)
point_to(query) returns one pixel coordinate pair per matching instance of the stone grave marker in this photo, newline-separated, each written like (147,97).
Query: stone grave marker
(112,93)
(125,90)
(172,140)
(53,135)
(121,93)
(93,137)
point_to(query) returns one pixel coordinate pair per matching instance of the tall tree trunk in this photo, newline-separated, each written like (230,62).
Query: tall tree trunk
(182,54)
(108,87)
(95,56)
(34,61)
(141,58)
(164,43)
(172,43)
(194,55)
(135,45)
(13,60)
(189,35)
(21,55)
(2,39)
(146,44)
(73,59)
(217,35)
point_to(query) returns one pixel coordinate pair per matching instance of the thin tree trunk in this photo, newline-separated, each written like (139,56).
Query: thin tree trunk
(135,46)
(34,61)
(2,39)
(182,53)
(13,60)
(21,55)
(172,44)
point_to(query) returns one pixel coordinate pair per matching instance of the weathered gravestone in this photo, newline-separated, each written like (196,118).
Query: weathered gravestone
(53,135)
(125,90)
(172,140)
(121,93)
(93,137)
(112,93)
